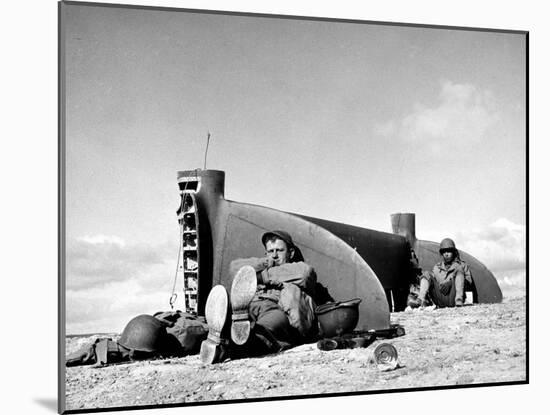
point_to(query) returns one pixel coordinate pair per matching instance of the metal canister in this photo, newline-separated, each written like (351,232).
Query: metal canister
(384,356)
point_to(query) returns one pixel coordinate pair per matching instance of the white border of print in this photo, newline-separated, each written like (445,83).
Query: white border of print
(29,175)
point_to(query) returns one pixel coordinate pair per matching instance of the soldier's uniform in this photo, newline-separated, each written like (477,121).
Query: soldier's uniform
(283,304)
(273,305)
(447,283)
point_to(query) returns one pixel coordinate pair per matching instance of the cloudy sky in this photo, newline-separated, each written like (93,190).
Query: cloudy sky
(343,121)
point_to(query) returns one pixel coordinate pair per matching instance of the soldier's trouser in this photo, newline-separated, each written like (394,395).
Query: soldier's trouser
(424,288)
(430,284)
(103,351)
(271,331)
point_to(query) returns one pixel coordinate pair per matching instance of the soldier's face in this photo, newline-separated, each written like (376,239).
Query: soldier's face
(278,251)
(448,256)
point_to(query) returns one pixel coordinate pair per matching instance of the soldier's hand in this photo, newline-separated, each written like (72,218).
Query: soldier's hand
(274,284)
(269,262)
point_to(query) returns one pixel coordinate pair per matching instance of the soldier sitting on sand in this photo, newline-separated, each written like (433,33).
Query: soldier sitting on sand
(445,284)
(272,302)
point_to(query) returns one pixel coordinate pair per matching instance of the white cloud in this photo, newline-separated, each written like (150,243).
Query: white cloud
(385,129)
(97,260)
(109,308)
(501,246)
(512,283)
(102,239)
(109,281)
(462,114)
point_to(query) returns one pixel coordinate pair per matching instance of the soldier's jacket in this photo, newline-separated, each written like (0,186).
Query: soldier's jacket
(442,273)
(297,273)
(291,285)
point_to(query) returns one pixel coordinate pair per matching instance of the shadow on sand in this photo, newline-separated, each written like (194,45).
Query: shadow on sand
(47,403)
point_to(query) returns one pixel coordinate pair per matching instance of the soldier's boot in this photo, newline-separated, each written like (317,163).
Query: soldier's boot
(459,287)
(243,290)
(213,349)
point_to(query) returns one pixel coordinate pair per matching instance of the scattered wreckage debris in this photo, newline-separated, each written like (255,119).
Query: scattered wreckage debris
(337,321)
(383,355)
(350,261)
(357,339)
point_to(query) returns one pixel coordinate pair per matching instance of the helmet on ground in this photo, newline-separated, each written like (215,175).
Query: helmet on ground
(338,318)
(447,243)
(144,333)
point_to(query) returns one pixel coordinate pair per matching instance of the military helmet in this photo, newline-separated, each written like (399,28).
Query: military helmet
(338,318)
(144,333)
(447,243)
(285,236)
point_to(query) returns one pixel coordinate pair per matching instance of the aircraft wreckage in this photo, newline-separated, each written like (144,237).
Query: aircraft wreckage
(350,261)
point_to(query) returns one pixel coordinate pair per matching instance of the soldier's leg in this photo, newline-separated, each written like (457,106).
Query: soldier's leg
(439,298)
(271,330)
(214,348)
(426,281)
(459,289)
(243,289)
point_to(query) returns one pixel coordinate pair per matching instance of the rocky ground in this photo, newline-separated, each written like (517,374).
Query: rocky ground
(470,345)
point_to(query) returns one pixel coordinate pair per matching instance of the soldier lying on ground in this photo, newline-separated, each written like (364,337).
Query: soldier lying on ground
(273,302)
(445,285)
(165,334)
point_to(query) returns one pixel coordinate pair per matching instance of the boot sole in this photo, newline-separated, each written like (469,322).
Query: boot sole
(216,315)
(243,290)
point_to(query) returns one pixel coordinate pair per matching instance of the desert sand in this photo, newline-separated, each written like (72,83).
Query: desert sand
(476,344)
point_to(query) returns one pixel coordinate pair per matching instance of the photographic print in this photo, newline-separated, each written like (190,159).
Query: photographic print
(264,207)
